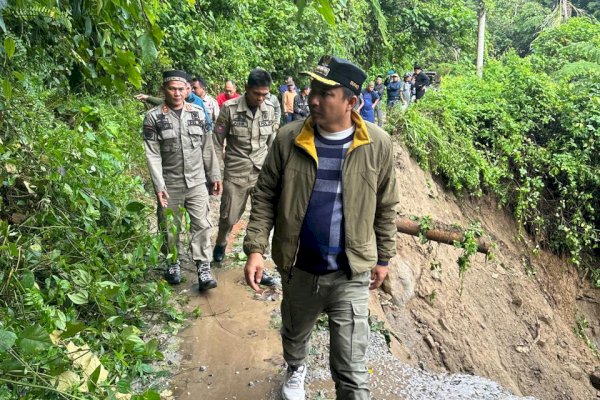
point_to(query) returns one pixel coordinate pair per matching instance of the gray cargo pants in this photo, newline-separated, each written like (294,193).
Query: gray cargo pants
(346,303)
(195,202)
(233,203)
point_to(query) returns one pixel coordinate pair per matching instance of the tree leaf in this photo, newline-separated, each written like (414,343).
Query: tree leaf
(80,297)
(135,206)
(7,89)
(73,328)
(92,382)
(9,47)
(326,10)
(90,152)
(33,339)
(7,340)
(149,51)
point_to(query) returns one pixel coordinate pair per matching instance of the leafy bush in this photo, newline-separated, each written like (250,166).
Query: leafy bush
(76,253)
(528,138)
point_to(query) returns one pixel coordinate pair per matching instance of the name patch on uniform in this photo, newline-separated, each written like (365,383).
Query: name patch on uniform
(265,123)
(163,123)
(239,120)
(195,120)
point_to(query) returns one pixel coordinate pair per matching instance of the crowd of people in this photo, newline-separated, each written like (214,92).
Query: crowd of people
(323,183)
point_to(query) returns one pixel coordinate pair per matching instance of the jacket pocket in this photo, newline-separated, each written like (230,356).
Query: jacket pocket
(195,133)
(170,145)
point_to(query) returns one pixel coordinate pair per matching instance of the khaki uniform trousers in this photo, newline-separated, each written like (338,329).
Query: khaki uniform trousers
(346,303)
(233,203)
(195,202)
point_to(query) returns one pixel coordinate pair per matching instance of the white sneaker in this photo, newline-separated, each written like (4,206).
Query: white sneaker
(293,386)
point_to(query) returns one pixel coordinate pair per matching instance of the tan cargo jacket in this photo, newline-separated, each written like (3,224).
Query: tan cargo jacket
(248,136)
(179,151)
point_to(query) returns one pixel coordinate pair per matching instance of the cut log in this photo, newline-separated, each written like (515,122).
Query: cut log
(446,236)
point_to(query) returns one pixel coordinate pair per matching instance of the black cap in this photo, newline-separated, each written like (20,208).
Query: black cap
(417,66)
(175,75)
(334,71)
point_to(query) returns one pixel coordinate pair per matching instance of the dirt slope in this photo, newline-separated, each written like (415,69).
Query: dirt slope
(513,324)
(515,320)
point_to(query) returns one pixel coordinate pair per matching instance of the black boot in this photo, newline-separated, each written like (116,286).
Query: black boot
(218,253)
(205,278)
(173,273)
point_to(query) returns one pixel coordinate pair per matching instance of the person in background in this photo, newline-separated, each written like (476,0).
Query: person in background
(248,125)
(330,249)
(360,102)
(301,110)
(229,93)
(392,83)
(371,99)
(288,102)
(181,160)
(210,103)
(190,97)
(277,106)
(421,82)
(380,89)
(284,87)
(406,90)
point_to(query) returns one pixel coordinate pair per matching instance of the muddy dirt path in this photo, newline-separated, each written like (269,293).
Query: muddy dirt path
(231,351)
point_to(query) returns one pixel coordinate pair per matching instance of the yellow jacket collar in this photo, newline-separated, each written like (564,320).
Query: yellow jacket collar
(306,138)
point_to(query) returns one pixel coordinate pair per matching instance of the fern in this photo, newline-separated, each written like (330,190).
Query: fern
(584,51)
(579,70)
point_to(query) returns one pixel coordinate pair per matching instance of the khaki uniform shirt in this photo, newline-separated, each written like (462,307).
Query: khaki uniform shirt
(212,107)
(248,136)
(179,150)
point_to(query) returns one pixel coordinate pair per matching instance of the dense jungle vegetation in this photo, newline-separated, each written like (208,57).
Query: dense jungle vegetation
(79,278)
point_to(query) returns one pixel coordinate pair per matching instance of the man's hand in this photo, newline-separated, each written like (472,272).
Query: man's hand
(254,270)
(141,97)
(217,188)
(163,197)
(378,274)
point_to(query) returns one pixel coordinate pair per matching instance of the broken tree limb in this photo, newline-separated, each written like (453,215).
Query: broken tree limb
(410,227)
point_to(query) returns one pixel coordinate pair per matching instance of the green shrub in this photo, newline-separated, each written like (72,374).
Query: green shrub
(524,136)
(76,253)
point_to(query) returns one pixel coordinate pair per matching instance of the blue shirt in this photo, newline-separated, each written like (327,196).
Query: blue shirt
(192,98)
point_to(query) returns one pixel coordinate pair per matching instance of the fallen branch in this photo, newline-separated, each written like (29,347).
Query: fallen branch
(410,227)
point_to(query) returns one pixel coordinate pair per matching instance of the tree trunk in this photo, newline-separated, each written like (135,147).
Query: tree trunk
(480,40)
(564,10)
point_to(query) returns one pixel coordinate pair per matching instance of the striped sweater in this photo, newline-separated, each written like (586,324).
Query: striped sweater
(322,247)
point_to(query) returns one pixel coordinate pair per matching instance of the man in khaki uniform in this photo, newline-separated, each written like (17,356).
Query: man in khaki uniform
(181,158)
(248,124)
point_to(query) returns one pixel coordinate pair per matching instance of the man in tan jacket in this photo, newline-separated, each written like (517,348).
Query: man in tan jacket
(328,188)
(248,125)
(181,159)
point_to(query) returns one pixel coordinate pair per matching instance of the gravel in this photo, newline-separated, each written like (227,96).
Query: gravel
(393,380)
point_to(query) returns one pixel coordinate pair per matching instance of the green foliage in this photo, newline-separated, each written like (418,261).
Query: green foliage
(76,255)
(582,325)
(515,24)
(576,40)
(210,39)
(524,136)
(85,44)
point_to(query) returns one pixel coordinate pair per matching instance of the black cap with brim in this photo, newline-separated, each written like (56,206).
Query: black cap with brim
(334,71)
